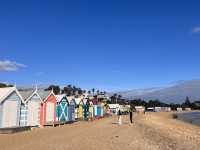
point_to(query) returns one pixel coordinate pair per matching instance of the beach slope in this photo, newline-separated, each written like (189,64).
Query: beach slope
(153,131)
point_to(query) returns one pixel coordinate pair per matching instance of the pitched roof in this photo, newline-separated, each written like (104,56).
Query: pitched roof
(5,92)
(73,101)
(85,101)
(26,93)
(60,97)
(70,98)
(43,93)
(78,100)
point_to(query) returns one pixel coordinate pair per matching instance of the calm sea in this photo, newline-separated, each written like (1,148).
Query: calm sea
(191,117)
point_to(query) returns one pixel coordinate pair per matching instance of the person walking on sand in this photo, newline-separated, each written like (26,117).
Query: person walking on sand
(131,113)
(119,117)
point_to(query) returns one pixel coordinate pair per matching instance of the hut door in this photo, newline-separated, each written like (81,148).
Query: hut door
(95,110)
(50,112)
(33,112)
(85,109)
(80,111)
(9,114)
(71,112)
(64,113)
(98,110)
(23,115)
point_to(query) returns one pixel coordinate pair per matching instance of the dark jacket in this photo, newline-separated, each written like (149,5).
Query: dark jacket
(119,113)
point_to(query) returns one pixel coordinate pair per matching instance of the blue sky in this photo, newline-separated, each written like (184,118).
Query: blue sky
(103,44)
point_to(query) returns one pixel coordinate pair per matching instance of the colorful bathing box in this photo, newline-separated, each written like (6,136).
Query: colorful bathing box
(10,103)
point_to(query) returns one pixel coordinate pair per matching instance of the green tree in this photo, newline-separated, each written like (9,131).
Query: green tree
(98,92)
(84,91)
(55,88)
(93,90)
(115,96)
(119,97)
(89,92)
(2,85)
(187,102)
(113,99)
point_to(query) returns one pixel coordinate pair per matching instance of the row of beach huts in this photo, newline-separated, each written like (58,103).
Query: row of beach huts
(39,108)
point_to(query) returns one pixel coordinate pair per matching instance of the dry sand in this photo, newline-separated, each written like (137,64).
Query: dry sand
(152,131)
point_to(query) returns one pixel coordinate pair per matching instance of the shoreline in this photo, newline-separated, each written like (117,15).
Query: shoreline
(191,117)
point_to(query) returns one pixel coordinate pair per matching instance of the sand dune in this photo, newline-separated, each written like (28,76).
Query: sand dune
(152,131)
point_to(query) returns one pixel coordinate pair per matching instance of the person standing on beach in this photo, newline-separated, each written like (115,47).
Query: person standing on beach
(131,113)
(119,117)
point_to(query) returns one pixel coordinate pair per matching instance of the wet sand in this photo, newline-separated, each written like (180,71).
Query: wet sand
(153,131)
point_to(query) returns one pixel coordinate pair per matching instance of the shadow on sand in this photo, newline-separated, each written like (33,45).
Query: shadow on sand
(118,123)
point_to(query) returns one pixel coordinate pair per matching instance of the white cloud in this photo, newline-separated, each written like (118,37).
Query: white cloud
(196,30)
(7,65)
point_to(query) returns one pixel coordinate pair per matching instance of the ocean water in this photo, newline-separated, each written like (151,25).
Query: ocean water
(191,117)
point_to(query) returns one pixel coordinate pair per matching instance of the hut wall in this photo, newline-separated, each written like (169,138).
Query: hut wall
(102,111)
(48,110)
(91,111)
(1,114)
(10,118)
(57,111)
(85,111)
(72,110)
(80,111)
(49,114)
(41,114)
(76,113)
(95,110)
(98,110)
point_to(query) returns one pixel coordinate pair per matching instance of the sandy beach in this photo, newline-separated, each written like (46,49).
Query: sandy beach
(153,131)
